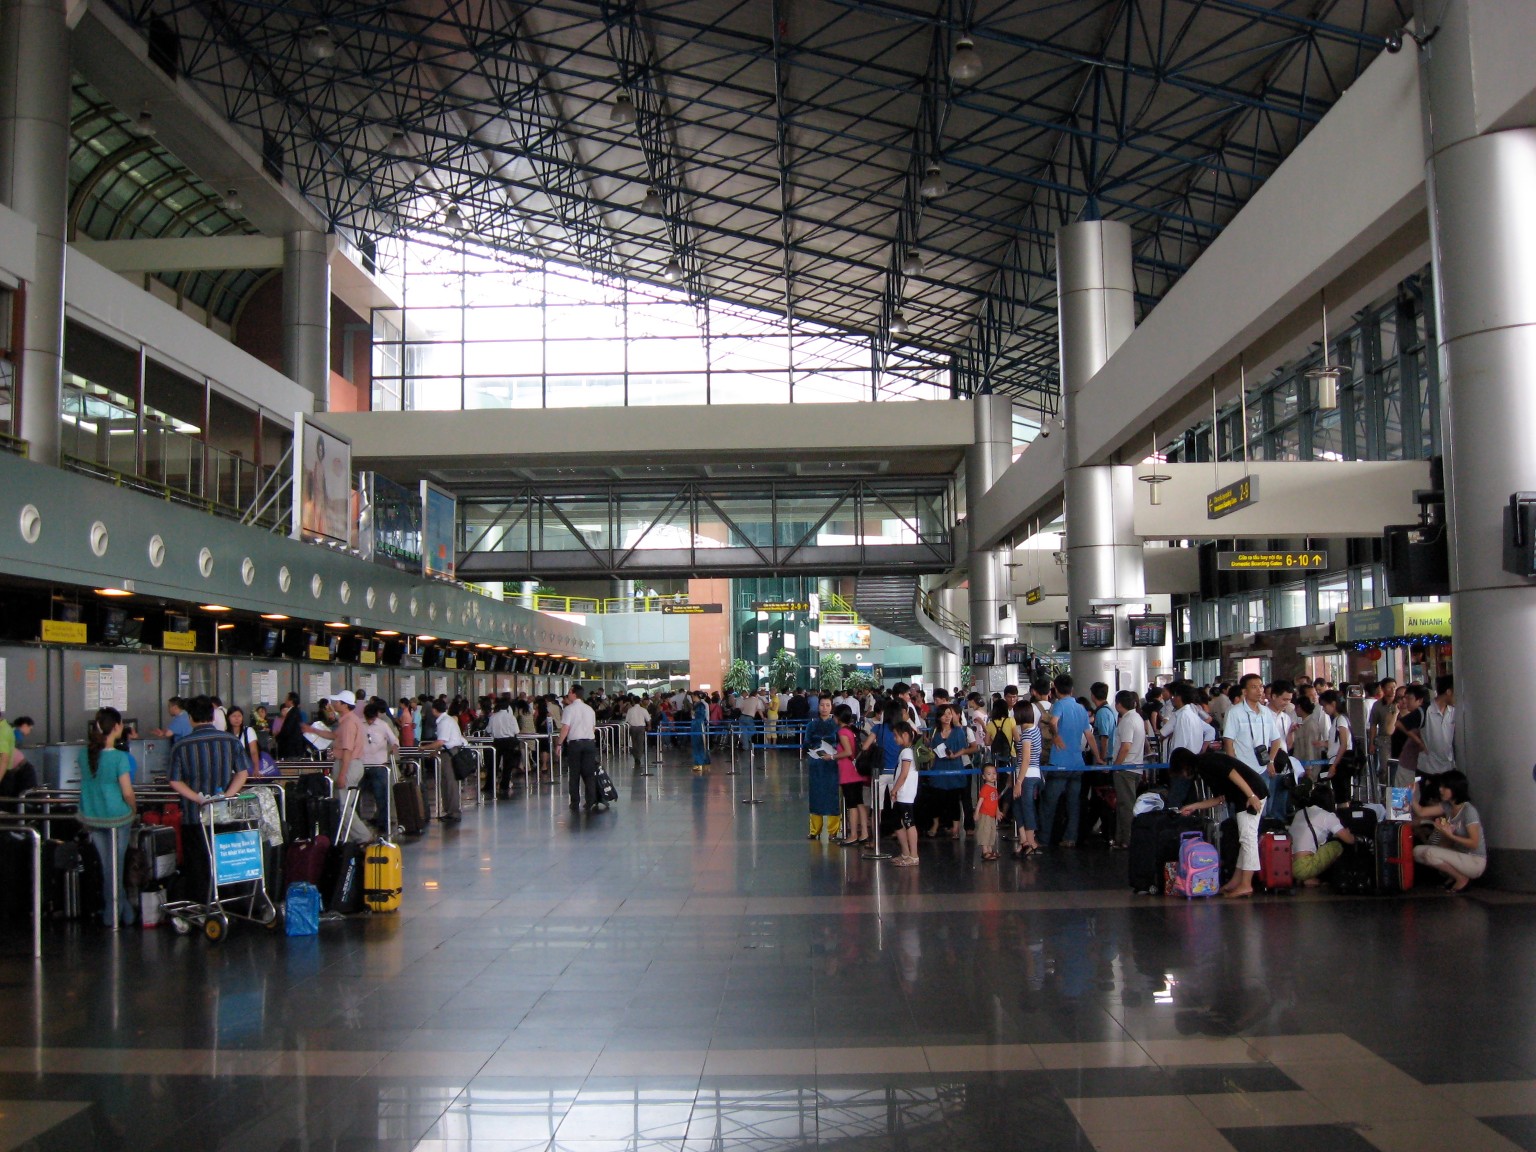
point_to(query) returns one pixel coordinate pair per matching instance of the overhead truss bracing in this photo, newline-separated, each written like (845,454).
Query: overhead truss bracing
(628,530)
(787,138)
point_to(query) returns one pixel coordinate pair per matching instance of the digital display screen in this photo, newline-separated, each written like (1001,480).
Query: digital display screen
(1095,631)
(1015,654)
(1149,631)
(983,655)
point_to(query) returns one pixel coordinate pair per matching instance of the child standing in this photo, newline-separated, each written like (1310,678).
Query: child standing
(905,791)
(986,814)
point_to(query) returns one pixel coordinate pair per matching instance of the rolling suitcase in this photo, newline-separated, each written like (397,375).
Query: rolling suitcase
(157,844)
(383,876)
(1394,856)
(1155,842)
(342,889)
(1275,861)
(606,792)
(304,861)
(1355,873)
(410,807)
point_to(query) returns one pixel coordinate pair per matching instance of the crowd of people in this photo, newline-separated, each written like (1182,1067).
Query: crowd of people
(1040,765)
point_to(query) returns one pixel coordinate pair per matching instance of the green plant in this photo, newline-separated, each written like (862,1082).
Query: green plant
(830,675)
(857,681)
(965,675)
(738,677)
(783,671)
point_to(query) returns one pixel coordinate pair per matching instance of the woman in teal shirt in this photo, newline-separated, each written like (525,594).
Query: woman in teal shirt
(107,803)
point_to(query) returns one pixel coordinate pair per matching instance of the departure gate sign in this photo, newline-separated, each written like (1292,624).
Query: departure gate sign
(1271,561)
(1232,498)
(781,605)
(691,609)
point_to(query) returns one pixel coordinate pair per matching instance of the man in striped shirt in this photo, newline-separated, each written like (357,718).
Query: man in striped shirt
(204,763)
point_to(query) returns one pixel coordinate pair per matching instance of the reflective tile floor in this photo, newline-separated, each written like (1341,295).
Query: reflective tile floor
(688,972)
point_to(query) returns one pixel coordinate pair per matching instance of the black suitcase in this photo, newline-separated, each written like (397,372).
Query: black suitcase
(1154,842)
(342,889)
(606,792)
(157,844)
(1355,873)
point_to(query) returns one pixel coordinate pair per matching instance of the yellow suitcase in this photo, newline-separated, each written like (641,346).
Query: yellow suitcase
(383,876)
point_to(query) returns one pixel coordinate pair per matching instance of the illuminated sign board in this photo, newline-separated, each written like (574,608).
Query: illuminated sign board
(1232,498)
(1270,561)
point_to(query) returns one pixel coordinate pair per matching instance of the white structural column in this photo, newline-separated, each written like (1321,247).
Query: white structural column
(993,619)
(941,667)
(1482,180)
(307,313)
(34,182)
(1096,312)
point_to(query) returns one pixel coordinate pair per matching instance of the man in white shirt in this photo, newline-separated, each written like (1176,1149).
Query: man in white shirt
(1130,743)
(1250,732)
(449,740)
(1439,731)
(1188,728)
(578,738)
(751,709)
(638,717)
(1278,702)
(502,727)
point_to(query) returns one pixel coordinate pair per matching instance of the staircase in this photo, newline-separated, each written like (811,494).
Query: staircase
(899,605)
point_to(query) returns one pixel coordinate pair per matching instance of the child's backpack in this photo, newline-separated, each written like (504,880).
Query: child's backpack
(1199,867)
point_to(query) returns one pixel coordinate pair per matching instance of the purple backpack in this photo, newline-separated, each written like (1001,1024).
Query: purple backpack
(1199,868)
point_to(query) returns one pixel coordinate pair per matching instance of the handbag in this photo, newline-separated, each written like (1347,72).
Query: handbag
(465,763)
(923,754)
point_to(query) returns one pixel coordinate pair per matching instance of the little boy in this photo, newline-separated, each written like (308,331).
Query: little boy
(986,814)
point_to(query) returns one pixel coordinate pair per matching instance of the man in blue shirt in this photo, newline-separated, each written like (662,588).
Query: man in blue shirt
(180,726)
(206,763)
(1067,727)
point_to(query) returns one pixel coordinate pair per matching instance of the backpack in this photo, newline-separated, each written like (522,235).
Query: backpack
(1002,747)
(1199,870)
(870,762)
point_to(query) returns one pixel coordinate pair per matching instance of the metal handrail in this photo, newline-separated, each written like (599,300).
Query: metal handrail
(15,445)
(949,620)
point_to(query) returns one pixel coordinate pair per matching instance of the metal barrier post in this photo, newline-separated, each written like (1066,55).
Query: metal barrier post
(751,797)
(112,896)
(875,852)
(730,742)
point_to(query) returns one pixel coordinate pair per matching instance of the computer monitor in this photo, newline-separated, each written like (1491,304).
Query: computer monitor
(1095,631)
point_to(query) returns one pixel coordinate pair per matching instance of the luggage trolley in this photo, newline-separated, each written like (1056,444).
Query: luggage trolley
(231,828)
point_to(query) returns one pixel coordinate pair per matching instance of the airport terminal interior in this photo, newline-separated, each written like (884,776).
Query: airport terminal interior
(757,575)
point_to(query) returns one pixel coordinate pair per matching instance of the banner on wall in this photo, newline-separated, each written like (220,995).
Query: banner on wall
(322,484)
(439,515)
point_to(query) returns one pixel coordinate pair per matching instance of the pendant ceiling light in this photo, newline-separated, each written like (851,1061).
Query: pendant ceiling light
(1326,375)
(622,113)
(672,272)
(318,46)
(933,185)
(653,204)
(898,324)
(966,63)
(912,264)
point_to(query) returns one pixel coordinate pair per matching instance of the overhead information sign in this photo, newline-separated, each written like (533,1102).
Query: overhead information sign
(781,606)
(1270,561)
(63,632)
(1225,501)
(691,609)
(1034,595)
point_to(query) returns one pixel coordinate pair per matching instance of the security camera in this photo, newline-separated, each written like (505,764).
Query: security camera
(1045,429)
(1394,41)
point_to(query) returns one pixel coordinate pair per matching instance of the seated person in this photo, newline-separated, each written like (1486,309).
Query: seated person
(1456,847)
(1317,839)
(1244,791)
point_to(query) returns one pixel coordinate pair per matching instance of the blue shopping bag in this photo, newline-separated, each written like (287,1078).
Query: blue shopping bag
(302,917)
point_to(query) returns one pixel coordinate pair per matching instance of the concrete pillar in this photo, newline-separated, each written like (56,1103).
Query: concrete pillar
(1096,312)
(34,182)
(941,667)
(992,613)
(307,313)
(1484,250)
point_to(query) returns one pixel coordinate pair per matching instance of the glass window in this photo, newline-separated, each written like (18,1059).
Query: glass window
(669,388)
(748,353)
(831,387)
(1332,597)
(583,356)
(584,391)
(583,322)
(666,356)
(749,387)
(504,392)
(504,324)
(504,358)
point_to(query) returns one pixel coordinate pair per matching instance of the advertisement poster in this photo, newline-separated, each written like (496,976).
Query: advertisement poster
(439,513)
(844,635)
(323,482)
(395,517)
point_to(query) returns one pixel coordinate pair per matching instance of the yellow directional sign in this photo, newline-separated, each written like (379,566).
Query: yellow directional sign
(1034,595)
(1225,501)
(1270,561)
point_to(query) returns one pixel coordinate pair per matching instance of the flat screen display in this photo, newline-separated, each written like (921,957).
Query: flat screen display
(1095,631)
(1149,631)
(983,655)
(1015,654)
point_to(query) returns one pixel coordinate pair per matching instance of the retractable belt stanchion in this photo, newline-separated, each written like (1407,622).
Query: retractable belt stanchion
(751,797)
(730,742)
(875,852)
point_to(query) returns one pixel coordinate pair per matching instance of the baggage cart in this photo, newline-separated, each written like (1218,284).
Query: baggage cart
(231,831)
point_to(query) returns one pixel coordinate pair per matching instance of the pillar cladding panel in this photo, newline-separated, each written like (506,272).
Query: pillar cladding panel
(307,312)
(1495,658)
(1094,254)
(1493,269)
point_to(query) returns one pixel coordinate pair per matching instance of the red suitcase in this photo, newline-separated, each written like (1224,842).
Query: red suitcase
(1275,861)
(305,860)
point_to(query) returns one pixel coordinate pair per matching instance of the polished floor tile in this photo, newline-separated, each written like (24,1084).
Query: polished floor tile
(686,972)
